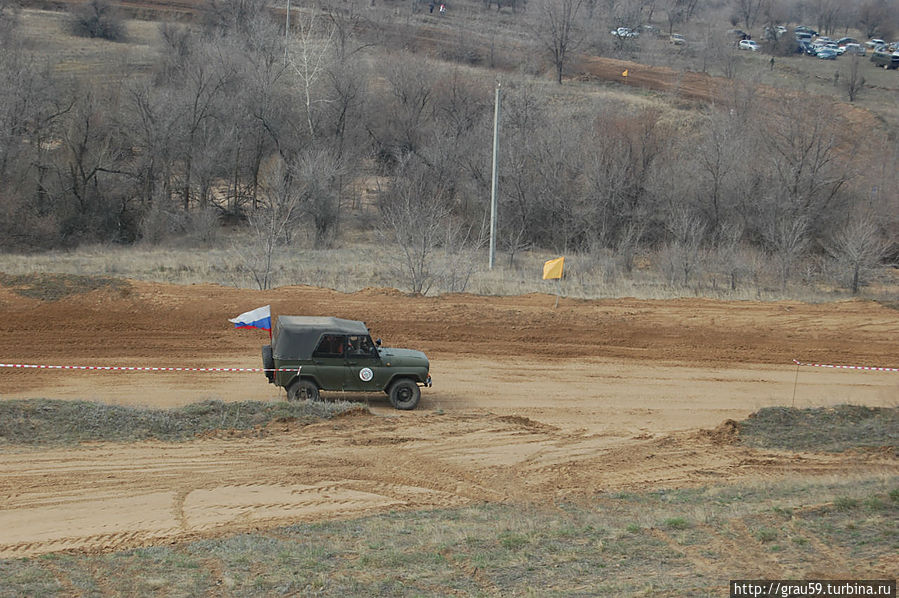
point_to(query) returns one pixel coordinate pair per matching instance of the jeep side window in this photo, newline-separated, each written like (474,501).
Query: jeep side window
(360,346)
(331,345)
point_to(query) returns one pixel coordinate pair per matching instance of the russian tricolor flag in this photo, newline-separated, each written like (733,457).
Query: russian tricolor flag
(261,317)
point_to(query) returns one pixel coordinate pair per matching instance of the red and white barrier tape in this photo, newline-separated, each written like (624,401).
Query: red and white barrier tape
(846,367)
(141,369)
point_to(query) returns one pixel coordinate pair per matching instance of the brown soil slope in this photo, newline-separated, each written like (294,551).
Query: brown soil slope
(530,403)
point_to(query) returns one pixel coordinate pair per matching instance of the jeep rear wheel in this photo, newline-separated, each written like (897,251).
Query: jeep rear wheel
(303,390)
(404,394)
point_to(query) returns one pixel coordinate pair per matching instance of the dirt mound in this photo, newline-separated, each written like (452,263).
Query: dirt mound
(728,432)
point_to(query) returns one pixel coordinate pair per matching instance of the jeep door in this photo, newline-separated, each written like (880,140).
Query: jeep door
(329,362)
(363,369)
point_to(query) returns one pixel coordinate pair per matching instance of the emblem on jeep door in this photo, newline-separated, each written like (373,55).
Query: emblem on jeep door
(365,374)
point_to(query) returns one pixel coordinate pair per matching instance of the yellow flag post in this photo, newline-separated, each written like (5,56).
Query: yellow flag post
(552,269)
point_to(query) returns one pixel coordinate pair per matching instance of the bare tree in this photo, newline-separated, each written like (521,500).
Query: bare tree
(310,62)
(416,218)
(200,80)
(716,156)
(727,253)
(233,16)
(682,253)
(316,177)
(853,78)
(857,247)
(401,120)
(830,14)
(748,11)
(557,30)
(680,11)
(804,159)
(270,225)
(787,238)
(872,15)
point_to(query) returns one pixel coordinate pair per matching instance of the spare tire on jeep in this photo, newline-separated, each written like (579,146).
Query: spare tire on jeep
(268,363)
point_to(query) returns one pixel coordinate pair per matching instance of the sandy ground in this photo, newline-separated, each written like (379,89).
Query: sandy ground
(531,403)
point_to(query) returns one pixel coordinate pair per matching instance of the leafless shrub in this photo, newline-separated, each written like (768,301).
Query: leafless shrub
(787,237)
(682,253)
(857,247)
(853,78)
(559,31)
(158,224)
(417,219)
(271,227)
(97,18)
(315,180)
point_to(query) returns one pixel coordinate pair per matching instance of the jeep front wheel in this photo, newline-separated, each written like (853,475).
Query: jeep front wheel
(302,390)
(404,394)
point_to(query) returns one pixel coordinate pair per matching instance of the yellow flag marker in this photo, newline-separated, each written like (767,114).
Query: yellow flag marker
(553,268)
(624,74)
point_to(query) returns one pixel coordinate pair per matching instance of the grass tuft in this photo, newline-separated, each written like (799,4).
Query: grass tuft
(825,429)
(676,523)
(46,422)
(845,503)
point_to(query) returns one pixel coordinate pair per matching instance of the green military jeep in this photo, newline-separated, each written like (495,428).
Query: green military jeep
(311,354)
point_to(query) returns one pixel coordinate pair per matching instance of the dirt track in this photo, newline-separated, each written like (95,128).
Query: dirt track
(530,403)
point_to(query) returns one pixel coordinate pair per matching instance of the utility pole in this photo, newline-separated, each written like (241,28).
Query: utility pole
(493,184)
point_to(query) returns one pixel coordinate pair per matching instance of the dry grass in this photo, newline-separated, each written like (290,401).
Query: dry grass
(665,542)
(44,422)
(827,429)
(96,60)
(587,276)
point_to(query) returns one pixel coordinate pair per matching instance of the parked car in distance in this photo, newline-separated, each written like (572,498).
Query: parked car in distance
(875,43)
(677,39)
(804,29)
(846,40)
(854,48)
(888,60)
(826,53)
(625,32)
(748,44)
